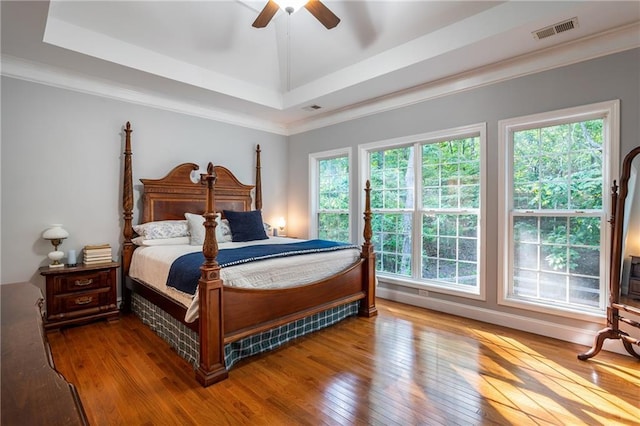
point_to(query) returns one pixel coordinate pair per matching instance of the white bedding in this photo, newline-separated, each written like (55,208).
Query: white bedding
(151,265)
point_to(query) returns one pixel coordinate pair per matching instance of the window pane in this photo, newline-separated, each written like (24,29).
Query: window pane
(525,229)
(333,190)
(392,178)
(392,242)
(585,231)
(333,199)
(446,255)
(558,167)
(525,283)
(468,225)
(526,196)
(333,226)
(525,256)
(454,167)
(561,250)
(584,291)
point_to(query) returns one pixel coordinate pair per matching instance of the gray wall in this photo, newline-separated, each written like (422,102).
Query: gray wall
(61,157)
(612,77)
(61,163)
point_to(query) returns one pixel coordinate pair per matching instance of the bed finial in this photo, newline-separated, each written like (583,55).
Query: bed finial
(258,198)
(210,246)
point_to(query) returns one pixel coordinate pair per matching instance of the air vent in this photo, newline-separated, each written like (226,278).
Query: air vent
(313,107)
(554,29)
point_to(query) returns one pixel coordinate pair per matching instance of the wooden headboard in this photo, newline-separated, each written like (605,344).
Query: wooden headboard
(176,194)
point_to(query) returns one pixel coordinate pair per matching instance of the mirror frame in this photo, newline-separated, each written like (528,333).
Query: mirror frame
(617,221)
(612,331)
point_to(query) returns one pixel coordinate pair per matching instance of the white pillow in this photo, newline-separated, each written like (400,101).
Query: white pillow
(162,229)
(141,241)
(196,229)
(225,231)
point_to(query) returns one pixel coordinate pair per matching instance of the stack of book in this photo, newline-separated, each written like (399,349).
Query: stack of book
(97,254)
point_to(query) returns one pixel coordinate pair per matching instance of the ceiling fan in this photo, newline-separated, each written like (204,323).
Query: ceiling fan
(315,7)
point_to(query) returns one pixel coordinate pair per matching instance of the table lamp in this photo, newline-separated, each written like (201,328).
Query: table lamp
(55,233)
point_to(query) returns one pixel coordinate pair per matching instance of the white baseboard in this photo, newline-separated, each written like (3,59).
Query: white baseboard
(545,328)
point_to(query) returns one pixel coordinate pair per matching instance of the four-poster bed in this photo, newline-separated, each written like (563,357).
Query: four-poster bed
(229,315)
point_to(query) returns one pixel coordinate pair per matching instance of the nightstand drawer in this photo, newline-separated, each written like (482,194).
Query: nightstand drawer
(82,281)
(84,300)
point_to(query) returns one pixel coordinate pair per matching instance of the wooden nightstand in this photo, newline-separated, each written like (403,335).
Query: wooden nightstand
(80,294)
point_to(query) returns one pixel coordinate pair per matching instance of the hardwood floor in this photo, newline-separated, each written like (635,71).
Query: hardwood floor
(407,366)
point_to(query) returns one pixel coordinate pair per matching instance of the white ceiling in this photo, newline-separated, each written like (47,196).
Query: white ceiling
(205,57)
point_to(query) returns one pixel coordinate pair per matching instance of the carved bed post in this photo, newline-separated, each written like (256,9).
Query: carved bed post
(127,214)
(258,197)
(211,368)
(368,304)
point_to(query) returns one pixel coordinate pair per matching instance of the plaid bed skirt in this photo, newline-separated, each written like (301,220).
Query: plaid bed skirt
(185,341)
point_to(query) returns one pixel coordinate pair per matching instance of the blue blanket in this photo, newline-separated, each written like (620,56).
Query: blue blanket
(185,270)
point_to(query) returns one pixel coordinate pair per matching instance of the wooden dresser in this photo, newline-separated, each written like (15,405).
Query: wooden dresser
(33,392)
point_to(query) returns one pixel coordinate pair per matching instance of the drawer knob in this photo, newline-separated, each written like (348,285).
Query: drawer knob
(82,283)
(84,300)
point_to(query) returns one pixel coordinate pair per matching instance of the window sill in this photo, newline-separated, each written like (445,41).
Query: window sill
(473,293)
(592,315)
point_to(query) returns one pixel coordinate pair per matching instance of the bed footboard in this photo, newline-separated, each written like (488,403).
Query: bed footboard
(229,314)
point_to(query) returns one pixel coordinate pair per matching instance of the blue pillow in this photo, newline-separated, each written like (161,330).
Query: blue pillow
(246,226)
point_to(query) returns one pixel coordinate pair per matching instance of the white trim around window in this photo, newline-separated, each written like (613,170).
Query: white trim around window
(609,113)
(314,159)
(477,130)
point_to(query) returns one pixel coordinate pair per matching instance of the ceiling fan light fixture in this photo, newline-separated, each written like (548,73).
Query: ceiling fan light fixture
(315,7)
(291,6)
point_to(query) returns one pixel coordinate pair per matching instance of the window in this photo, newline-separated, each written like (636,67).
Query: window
(392,196)
(426,201)
(555,202)
(330,195)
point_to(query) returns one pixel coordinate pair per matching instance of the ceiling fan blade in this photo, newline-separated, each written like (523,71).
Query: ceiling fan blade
(322,13)
(267,13)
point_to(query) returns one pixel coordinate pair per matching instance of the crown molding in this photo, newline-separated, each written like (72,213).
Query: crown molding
(65,79)
(584,49)
(609,42)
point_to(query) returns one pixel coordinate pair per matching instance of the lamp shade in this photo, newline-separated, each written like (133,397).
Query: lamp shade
(281,223)
(55,232)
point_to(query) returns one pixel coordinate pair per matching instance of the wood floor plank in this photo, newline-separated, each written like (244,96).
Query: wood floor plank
(407,366)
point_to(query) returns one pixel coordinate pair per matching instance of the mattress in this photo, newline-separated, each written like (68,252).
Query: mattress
(151,265)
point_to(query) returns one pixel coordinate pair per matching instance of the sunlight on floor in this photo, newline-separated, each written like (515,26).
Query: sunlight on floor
(552,389)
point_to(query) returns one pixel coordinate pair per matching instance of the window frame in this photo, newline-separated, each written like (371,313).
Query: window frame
(314,186)
(608,111)
(473,130)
